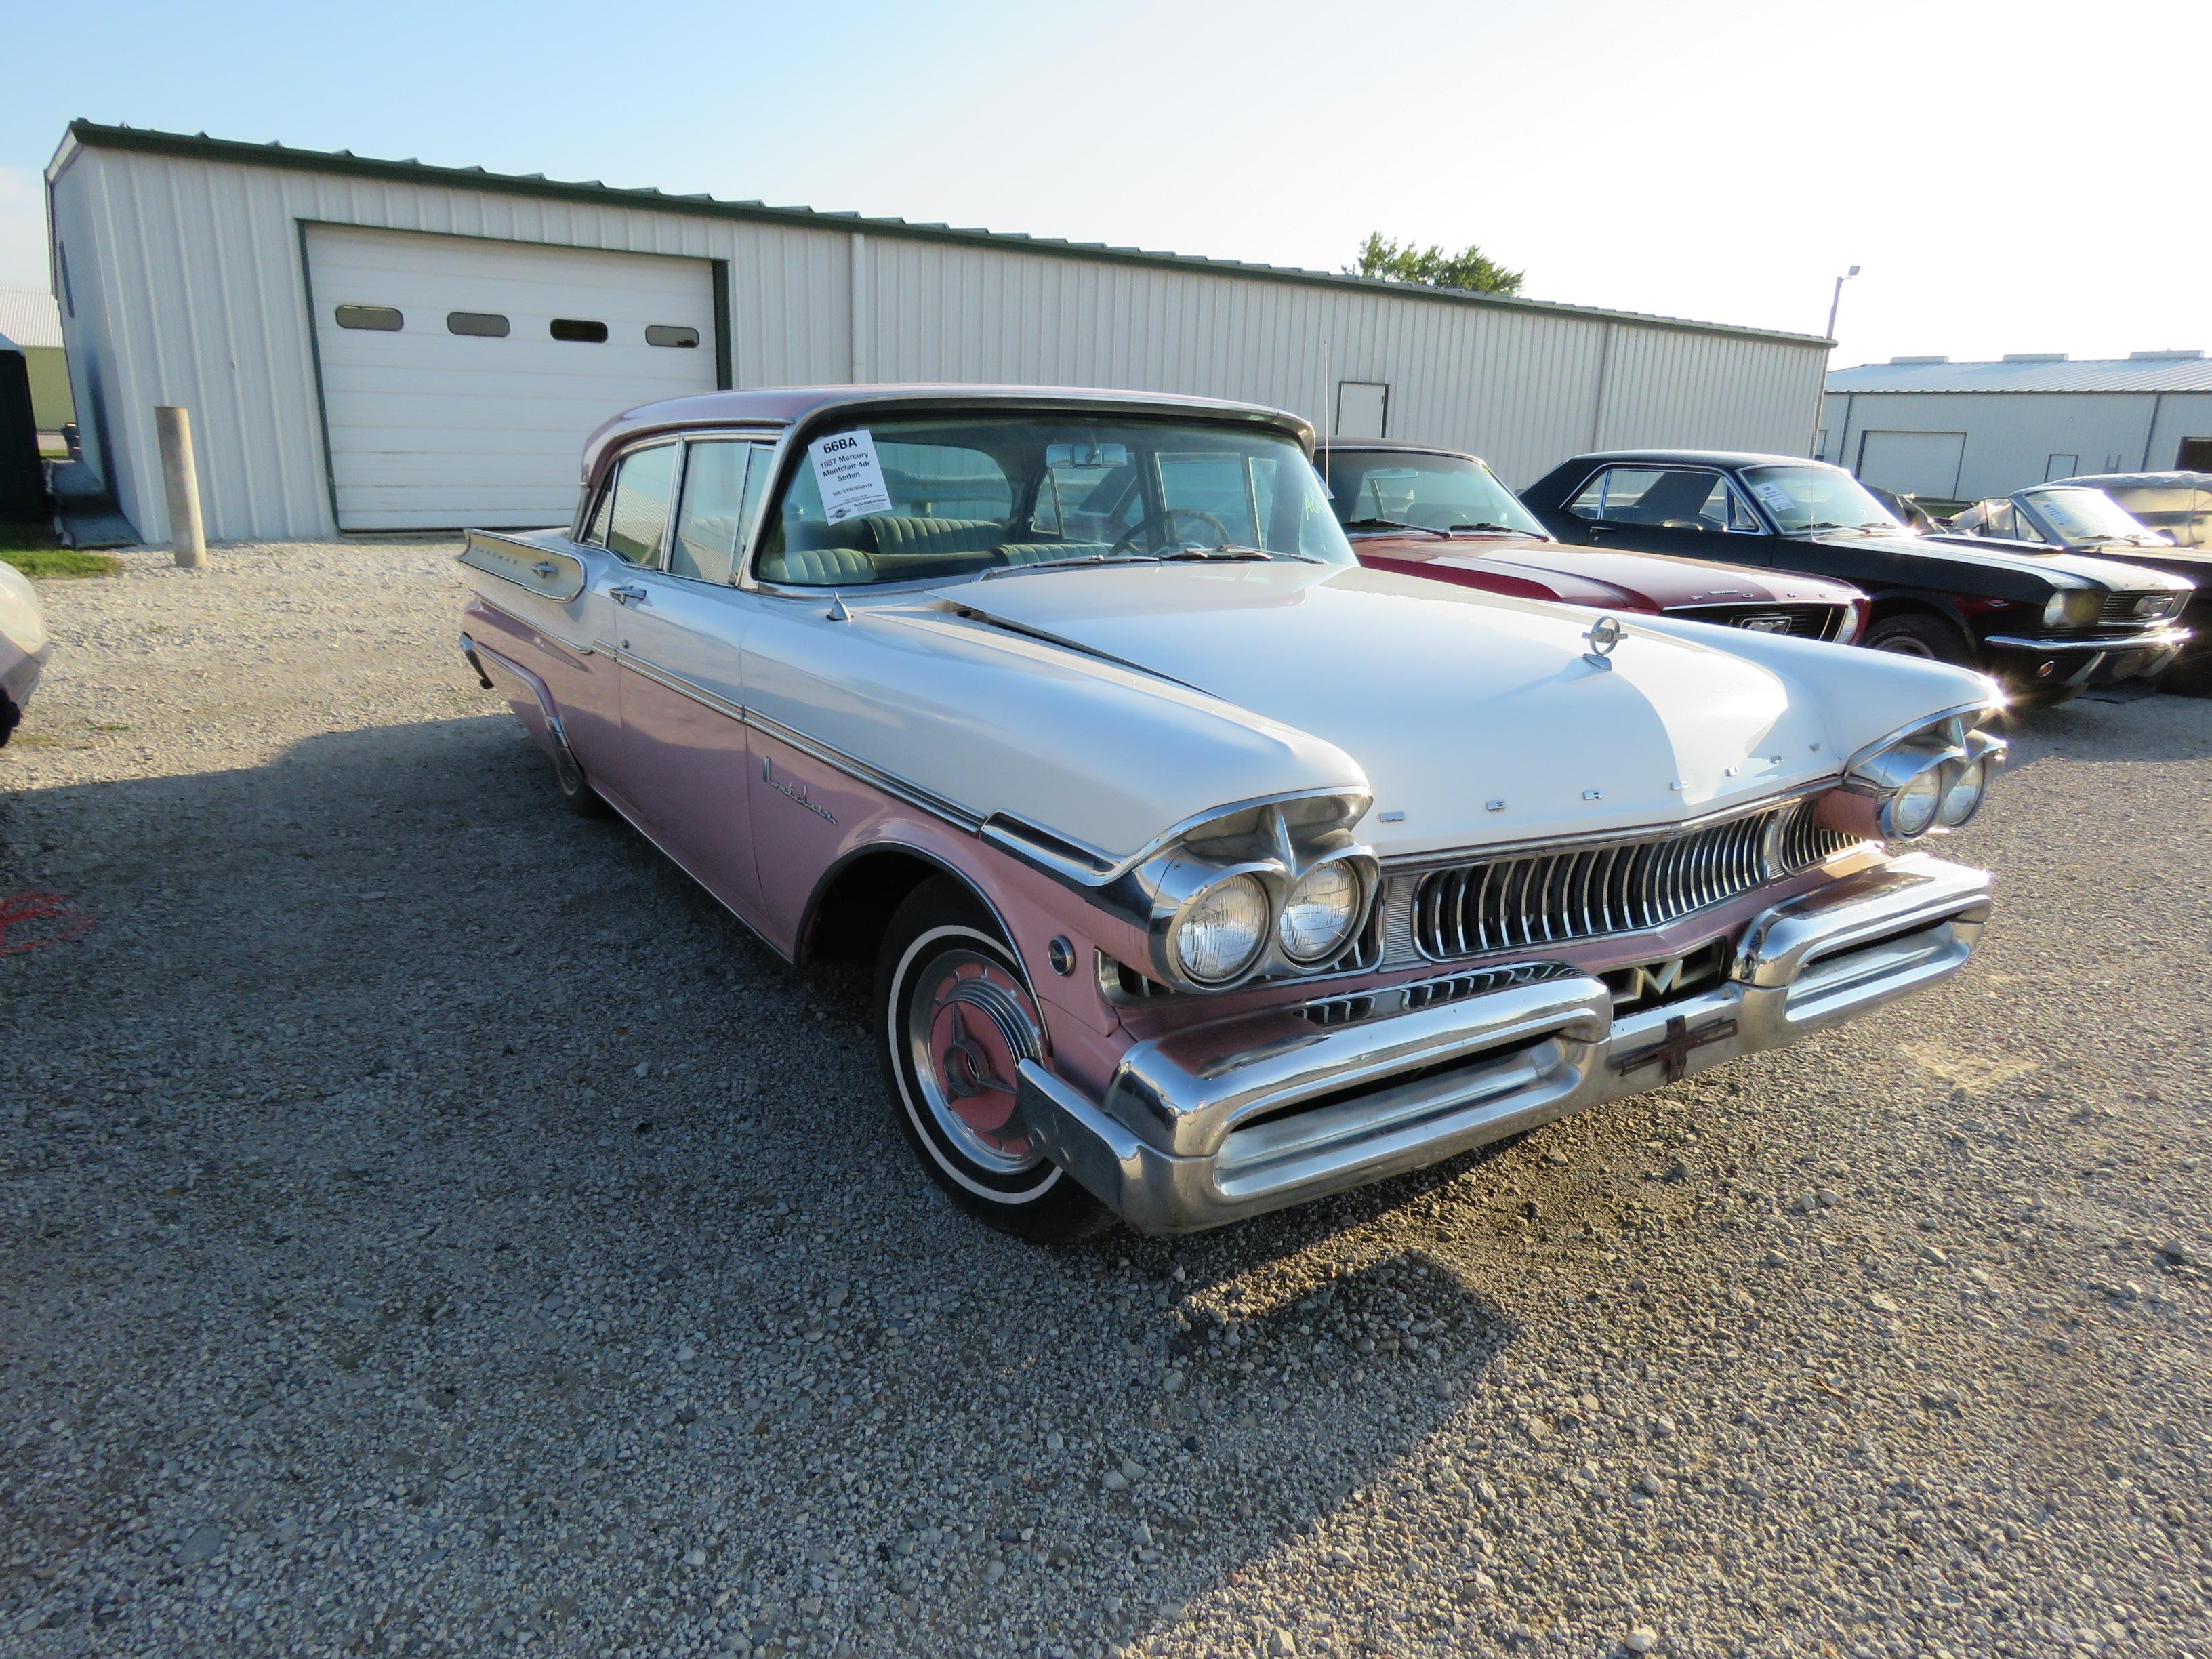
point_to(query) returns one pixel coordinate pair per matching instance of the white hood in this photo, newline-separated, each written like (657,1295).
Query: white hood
(1476,719)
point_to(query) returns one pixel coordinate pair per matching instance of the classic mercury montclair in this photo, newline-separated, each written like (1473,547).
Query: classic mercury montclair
(1205,871)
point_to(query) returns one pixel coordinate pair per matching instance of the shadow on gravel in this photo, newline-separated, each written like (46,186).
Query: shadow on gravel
(431,1222)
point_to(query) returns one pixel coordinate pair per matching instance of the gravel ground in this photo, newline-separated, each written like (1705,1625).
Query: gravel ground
(420,1234)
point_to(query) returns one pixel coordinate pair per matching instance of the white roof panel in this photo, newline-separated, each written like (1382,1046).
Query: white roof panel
(2147,373)
(29,317)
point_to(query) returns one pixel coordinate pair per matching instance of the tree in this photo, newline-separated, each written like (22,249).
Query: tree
(1469,268)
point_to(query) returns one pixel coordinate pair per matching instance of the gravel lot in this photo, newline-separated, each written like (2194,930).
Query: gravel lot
(421,1233)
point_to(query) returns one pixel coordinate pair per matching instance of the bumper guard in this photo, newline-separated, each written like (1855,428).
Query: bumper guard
(1221,1122)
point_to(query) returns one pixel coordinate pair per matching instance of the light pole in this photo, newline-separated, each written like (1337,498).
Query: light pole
(1839,299)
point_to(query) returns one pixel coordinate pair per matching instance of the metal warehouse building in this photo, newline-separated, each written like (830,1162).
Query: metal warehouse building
(376,345)
(1952,431)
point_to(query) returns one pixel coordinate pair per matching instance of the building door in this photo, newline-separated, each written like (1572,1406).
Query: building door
(1362,406)
(461,377)
(1924,463)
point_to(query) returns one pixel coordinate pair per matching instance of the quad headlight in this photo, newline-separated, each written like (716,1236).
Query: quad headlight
(1931,778)
(1220,929)
(1320,912)
(1281,887)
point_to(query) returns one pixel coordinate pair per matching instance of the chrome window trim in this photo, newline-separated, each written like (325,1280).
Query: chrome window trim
(688,442)
(1727,482)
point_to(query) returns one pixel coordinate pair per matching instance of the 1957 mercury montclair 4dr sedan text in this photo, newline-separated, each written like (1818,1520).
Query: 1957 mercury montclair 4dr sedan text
(1204,870)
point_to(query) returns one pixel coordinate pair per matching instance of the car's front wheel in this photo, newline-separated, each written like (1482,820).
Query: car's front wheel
(1929,638)
(954,1018)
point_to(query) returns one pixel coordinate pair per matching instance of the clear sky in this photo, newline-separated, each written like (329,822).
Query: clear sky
(2012,177)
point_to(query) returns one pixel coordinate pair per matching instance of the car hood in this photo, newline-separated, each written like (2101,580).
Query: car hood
(1475,718)
(1637,581)
(2085,569)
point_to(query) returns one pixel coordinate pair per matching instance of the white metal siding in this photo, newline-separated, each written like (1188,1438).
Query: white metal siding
(430,429)
(210,310)
(1912,462)
(2011,435)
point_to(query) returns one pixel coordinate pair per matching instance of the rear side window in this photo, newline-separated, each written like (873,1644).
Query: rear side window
(722,484)
(635,511)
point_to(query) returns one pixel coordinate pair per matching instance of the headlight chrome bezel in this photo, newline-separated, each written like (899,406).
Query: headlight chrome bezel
(1275,845)
(1942,752)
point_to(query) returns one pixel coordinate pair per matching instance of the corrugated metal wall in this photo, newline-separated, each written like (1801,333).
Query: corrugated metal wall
(2011,436)
(201,301)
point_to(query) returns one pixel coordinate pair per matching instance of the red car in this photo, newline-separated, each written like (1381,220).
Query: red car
(1438,513)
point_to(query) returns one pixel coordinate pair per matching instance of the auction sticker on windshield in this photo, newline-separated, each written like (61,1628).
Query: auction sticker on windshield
(851,476)
(1773,494)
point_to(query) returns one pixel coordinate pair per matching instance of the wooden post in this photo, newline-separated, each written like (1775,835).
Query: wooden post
(181,480)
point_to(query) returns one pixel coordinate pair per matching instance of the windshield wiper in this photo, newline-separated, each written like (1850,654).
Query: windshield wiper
(1068,564)
(1232,551)
(1397,524)
(1504,529)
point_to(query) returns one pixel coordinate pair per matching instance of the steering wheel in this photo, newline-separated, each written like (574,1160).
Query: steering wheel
(1164,517)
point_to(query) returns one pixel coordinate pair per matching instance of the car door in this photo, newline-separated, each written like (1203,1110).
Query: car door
(1695,512)
(679,635)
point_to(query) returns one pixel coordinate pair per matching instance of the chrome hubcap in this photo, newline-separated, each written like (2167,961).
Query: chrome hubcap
(969,1025)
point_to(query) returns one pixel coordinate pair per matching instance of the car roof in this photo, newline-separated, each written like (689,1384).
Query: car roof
(2099,480)
(1702,457)
(1393,447)
(797,406)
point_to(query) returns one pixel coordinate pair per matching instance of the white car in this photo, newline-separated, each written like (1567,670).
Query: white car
(23,646)
(1205,871)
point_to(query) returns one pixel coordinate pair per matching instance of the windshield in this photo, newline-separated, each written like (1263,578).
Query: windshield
(2090,515)
(1807,498)
(952,495)
(1375,489)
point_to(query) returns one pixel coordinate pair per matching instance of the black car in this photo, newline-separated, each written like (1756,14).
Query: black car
(2047,621)
(2082,517)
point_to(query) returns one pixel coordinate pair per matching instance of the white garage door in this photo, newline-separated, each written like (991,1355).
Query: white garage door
(461,376)
(1913,463)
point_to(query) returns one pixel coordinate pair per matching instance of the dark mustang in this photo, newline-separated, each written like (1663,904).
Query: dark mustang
(2047,622)
(1441,513)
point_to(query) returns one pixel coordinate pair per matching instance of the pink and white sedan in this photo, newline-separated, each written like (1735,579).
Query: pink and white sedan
(1203,871)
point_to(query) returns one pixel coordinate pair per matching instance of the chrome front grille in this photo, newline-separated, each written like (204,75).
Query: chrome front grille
(1545,897)
(2124,610)
(1807,622)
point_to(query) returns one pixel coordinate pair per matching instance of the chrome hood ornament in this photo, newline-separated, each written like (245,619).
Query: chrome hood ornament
(1604,634)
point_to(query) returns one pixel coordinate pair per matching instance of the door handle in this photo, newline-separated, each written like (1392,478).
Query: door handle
(546,568)
(627,595)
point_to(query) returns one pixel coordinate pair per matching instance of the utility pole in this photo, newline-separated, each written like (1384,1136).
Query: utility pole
(1839,299)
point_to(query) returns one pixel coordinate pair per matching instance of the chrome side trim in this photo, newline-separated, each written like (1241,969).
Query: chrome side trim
(682,687)
(898,788)
(581,648)
(564,757)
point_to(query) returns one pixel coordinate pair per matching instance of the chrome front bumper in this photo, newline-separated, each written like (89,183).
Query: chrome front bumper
(1222,1121)
(2078,661)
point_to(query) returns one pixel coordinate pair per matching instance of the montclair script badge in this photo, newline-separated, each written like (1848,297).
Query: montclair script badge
(1603,635)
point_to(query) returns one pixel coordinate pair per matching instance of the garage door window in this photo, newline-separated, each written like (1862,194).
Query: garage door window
(577,328)
(382,318)
(722,485)
(635,510)
(670,334)
(489,324)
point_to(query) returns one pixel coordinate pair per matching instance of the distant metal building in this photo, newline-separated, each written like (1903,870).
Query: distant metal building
(376,345)
(31,320)
(1930,426)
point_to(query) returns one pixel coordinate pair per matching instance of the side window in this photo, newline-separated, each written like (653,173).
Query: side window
(1616,495)
(639,504)
(1735,514)
(2024,528)
(722,483)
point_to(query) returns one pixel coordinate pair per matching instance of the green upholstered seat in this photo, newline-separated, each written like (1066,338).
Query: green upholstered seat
(900,537)
(818,567)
